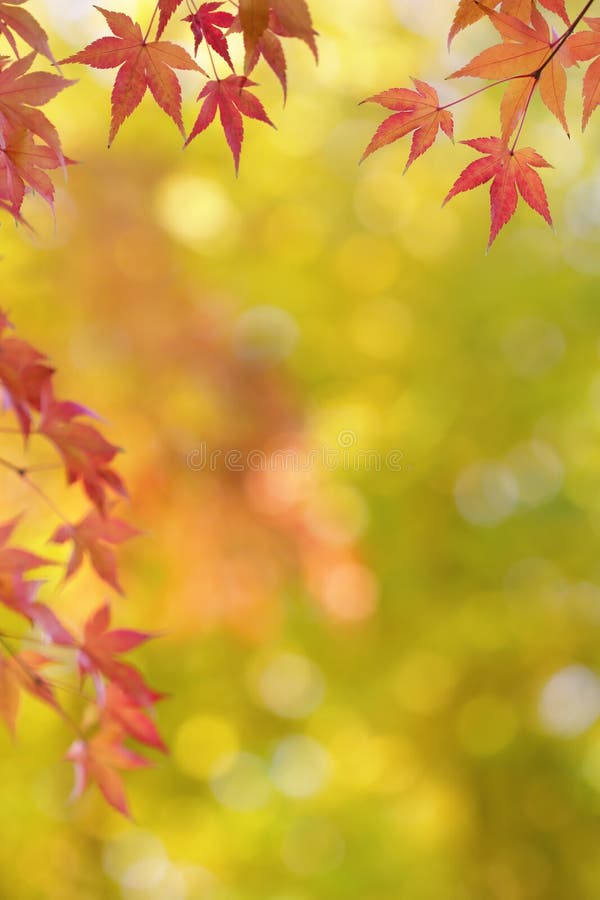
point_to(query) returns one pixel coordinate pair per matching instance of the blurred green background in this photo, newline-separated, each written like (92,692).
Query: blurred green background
(384,679)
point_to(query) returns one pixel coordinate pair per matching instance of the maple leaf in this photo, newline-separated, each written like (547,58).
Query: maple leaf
(231,97)
(85,452)
(99,760)
(291,18)
(17,21)
(270,48)
(22,165)
(471,11)
(121,710)
(142,65)
(585,45)
(20,671)
(22,91)
(93,535)
(591,91)
(556,6)
(97,651)
(206,23)
(7,206)
(509,171)
(467,13)
(24,373)
(254,20)
(166,9)
(527,50)
(416,111)
(9,695)
(15,592)
(20,595)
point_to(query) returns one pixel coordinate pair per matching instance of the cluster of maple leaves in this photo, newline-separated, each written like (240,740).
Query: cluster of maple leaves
(146,64)
(29,142)
(538,43)
(119,706)
(530,59)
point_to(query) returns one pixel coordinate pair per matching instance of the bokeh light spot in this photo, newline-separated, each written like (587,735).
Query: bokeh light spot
(201,741)
(193,209)
(240,781)
(570,701)
(486,493)
(300,766)
(290,685)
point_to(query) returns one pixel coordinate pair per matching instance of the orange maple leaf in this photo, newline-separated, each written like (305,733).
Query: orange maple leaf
(528,52)
(417,111)
(583,46)
(471,11)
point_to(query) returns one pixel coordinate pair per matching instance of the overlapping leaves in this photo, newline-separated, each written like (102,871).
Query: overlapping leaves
(146,64)
(121,709)
(539,44)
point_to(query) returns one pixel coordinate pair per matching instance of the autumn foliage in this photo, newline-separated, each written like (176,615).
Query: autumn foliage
(145,61)
(536,45)
(119,707)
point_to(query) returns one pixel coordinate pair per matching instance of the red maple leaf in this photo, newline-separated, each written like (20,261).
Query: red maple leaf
(142,65)
(121,710)
(19,594)
(511,172)
(97,652)
(14,20)
(415,111)
(22,91)
(99,759)
(24,373)
(233,99)
(94,535)
(207,23)
(15,592)
(85,452)
(166,9)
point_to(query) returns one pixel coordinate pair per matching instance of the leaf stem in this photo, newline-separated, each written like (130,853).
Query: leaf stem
(481,90)
(23,473)
(44,496)
(16,470)
(523,115)
(212,62)
(151,23)
(39,682)
(567,34)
